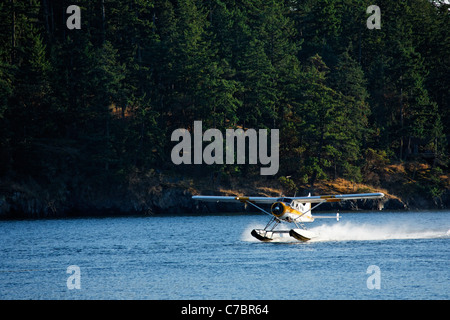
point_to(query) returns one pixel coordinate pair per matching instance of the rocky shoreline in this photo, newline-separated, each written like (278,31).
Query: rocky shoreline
(164,199)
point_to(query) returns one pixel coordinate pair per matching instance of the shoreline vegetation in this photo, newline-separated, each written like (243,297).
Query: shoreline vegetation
(156,193)
(87,113)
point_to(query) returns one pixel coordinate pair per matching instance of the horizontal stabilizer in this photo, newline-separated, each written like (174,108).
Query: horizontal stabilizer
(337,217)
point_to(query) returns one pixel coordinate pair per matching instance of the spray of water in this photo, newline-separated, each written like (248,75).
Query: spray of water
(351,231)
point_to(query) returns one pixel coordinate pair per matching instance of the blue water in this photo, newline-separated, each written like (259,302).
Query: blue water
(215,257)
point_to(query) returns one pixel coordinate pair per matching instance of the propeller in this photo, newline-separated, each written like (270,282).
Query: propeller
(277,209)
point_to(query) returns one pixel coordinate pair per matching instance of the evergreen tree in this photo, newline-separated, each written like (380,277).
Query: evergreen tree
(102,101)
(319,108)
(348,79)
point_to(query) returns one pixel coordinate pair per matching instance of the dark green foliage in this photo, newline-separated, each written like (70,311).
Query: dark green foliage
(104,100)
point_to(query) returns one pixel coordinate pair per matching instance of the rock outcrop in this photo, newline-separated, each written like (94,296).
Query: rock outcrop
(152,197)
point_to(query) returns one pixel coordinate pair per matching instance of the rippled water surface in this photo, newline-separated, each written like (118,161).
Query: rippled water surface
(405,255)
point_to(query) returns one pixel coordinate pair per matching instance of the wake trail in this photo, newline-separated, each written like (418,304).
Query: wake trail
(350,231)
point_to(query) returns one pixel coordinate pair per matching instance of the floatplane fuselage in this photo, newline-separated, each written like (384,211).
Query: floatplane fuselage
(296,210)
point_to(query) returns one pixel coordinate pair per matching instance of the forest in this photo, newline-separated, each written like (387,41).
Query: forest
(85,112)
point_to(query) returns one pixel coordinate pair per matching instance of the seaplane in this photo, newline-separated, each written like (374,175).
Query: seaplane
(293,210)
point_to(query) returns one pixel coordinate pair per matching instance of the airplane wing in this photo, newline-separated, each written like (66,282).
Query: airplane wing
(309,199)
(339,197)
(268,200)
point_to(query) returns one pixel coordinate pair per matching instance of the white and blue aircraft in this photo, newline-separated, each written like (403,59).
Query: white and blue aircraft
(296,210)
